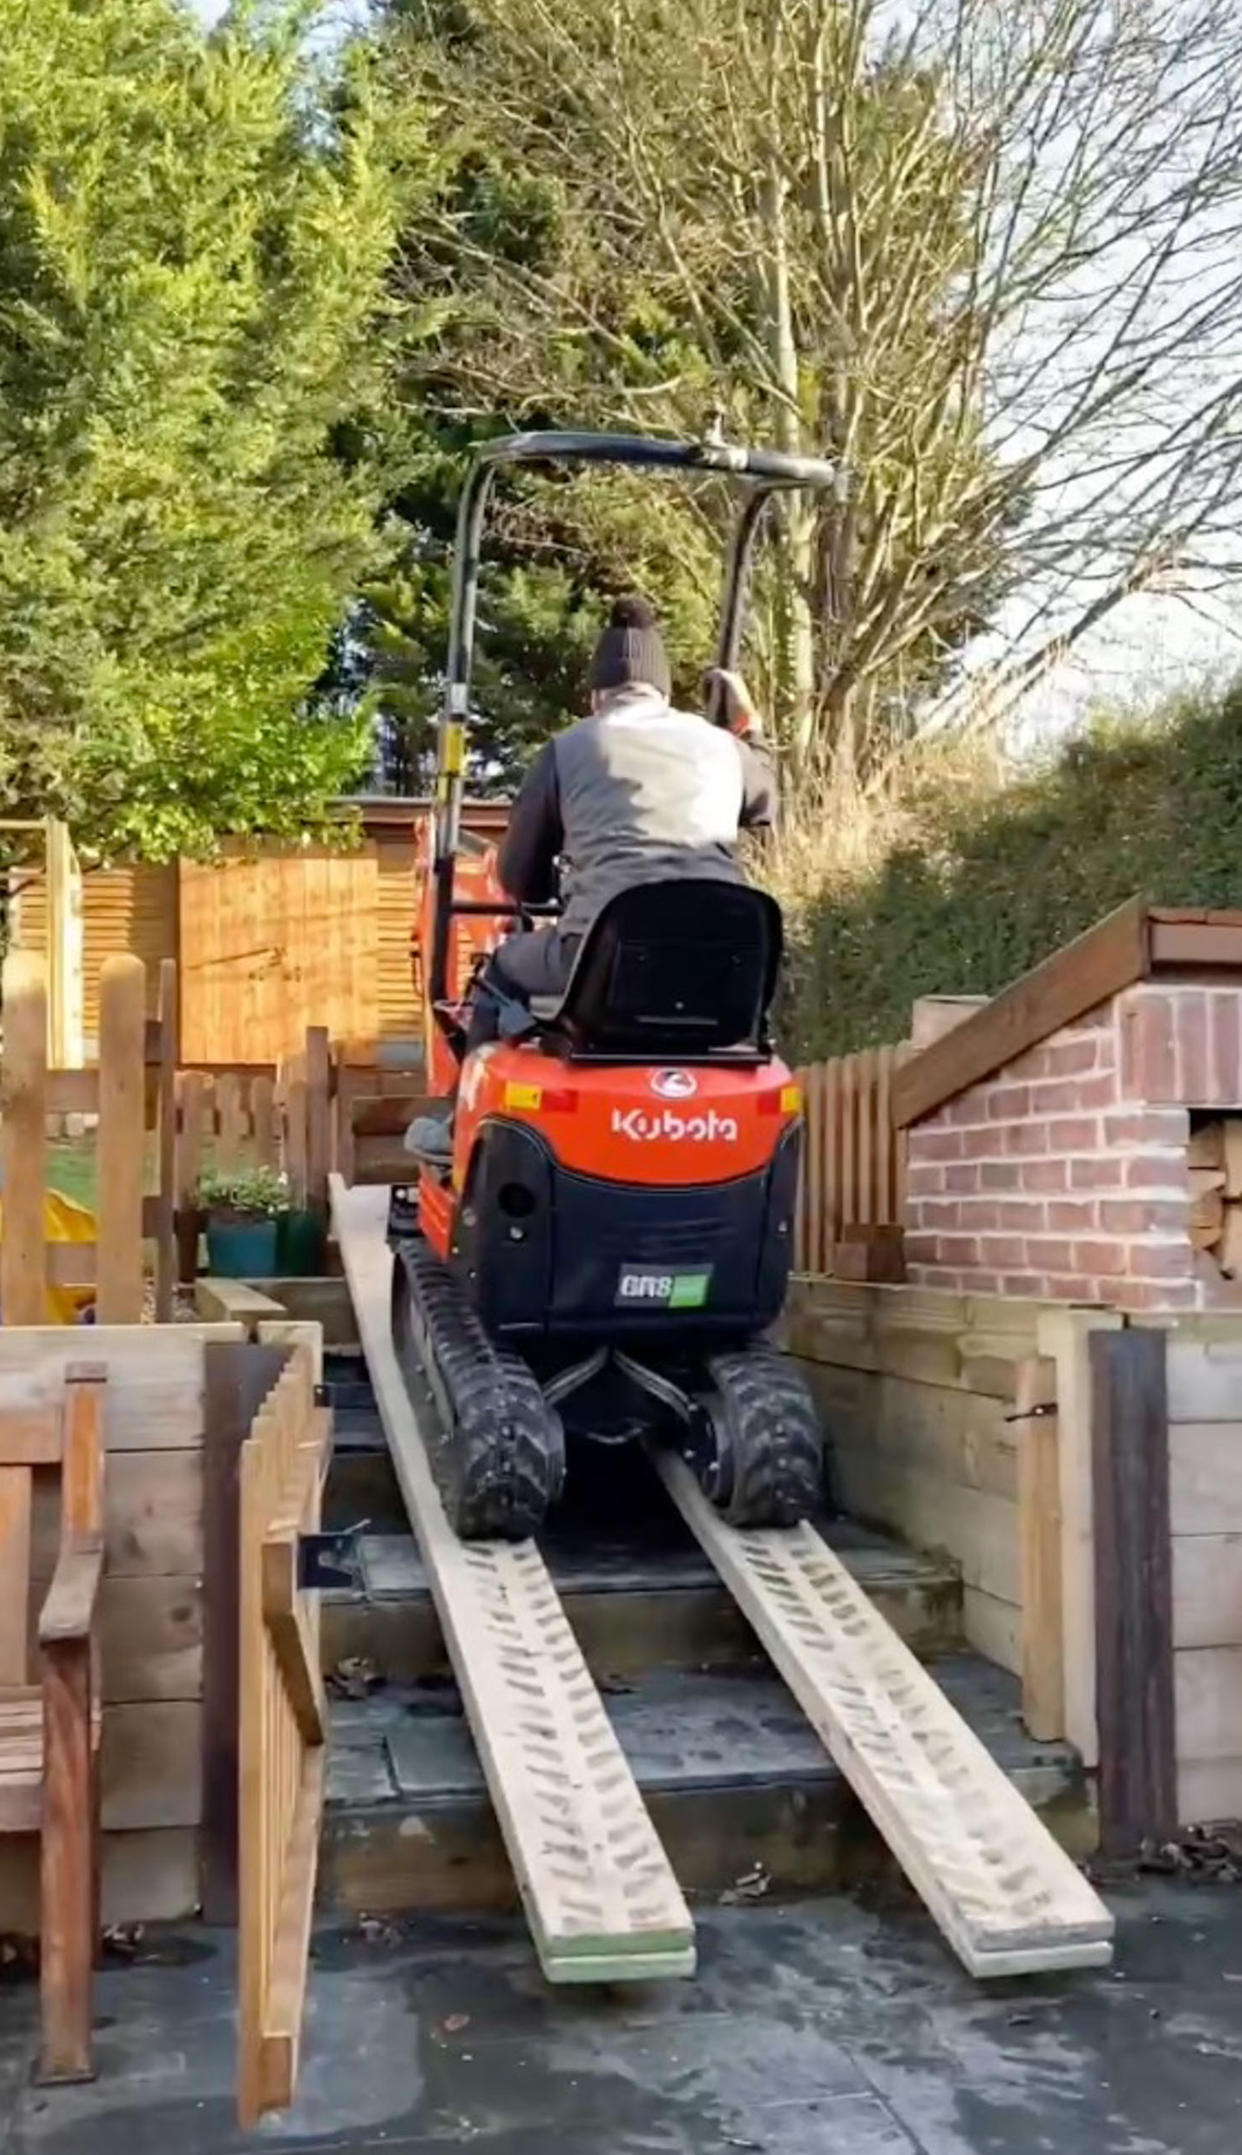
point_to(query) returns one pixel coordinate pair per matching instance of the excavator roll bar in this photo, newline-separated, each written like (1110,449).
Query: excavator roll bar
(763,472)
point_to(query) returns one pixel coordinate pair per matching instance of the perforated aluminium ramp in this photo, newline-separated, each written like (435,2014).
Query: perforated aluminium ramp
(599,1893)
(1009,1900)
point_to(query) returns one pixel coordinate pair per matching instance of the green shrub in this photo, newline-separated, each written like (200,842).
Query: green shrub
(974,880)
(245,1193)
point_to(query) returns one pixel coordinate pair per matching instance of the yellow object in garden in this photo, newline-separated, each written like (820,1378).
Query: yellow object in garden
(63,1221)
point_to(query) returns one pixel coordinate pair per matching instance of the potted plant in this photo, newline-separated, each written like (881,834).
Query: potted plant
(299,1244)
(242,1209)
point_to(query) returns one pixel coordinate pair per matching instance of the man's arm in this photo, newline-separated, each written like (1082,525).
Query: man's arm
(760,792)
(526,861)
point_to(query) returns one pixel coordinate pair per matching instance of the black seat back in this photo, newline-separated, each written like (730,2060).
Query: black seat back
(675,970)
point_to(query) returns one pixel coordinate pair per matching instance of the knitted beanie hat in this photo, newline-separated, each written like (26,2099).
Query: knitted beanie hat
(630,649)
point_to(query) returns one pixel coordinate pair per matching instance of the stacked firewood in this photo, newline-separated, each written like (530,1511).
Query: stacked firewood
(1215,1160)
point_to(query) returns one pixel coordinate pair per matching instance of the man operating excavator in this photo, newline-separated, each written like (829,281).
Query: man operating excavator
(638,792)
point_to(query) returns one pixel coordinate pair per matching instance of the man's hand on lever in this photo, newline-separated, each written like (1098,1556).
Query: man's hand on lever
(740,715)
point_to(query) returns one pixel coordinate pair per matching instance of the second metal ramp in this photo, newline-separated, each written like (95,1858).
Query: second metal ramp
(599,1892)
(1007,1898)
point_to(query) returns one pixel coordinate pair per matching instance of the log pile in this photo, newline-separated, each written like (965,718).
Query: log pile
(1215,1162)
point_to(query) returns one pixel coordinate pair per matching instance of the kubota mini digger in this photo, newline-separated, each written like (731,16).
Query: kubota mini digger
(613,1239)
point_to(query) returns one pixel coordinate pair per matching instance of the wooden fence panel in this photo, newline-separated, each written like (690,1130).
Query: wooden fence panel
(853,1159)
(271,944)
(133,1081)
(282,1734)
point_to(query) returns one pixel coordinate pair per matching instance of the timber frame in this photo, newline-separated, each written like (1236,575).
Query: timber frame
(1136,942)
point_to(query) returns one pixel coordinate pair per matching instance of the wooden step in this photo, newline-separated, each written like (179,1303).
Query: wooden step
(599,1893)
(636,1587)
(632,1605)
(731,1772)
(1006,1897)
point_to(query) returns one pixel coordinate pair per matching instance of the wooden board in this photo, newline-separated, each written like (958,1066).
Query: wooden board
(1207,1591)
(1208,1687)
(122,1139)
(238,1378)
(149,1876)
(151,1764)
(153,1517)
(963,1437)
(1096,965)
(23,1140)
(1205,1478)
(599,1893)
(270,945)
(155,1377)
(1008,1900)
(1205,1380)
(1065,1337)
(1133,1593)
(1039,1537)
(282,1734)
(150,1638)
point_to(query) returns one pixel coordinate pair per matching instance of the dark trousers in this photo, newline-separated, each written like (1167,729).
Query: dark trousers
(533,963)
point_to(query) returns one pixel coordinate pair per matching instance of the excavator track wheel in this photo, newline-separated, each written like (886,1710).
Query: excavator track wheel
(500,1461)
(767,1467)
(402,1212)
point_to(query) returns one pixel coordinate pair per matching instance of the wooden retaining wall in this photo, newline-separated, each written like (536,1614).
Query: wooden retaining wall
(151,1605)
(1091,1495)
(1204,1385)
(915,1388)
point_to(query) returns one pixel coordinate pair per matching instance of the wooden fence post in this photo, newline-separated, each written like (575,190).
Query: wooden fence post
(191,1091)
(813,1170)
(23,1140)
(263,1120)
(228,1101)
(1133,1590)
(166,1141)
(318,1120)
(293,1089)
(122,1139)
(1039,1550)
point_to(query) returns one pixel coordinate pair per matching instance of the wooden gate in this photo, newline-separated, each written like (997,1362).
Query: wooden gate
(270,945)
(281,1738)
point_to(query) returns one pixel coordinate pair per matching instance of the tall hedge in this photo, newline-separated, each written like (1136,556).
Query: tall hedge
(990,883)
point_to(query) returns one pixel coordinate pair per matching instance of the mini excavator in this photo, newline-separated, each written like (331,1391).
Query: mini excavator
(610,1248)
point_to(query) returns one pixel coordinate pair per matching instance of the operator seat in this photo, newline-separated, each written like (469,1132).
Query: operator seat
(683,970)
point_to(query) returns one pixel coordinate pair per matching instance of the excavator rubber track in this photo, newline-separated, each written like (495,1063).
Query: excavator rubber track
(770,1468)
(501,1461)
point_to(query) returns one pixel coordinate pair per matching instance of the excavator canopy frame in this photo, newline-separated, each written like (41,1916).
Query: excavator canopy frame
(761,473)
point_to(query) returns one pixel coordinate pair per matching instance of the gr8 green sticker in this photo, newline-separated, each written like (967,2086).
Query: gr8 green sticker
(663,1290)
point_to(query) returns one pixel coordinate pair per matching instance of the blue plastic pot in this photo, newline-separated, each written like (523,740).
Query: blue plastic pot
(241,1249)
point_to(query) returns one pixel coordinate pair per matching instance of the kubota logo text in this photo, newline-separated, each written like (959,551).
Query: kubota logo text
(705,1129)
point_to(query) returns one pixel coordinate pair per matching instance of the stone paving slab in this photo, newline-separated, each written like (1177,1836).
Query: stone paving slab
(830,2028)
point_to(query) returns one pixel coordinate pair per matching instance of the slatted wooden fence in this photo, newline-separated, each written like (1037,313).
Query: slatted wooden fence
(129,1093)
(853,1160)
(276,1117)
(282,1733)
(374,1100)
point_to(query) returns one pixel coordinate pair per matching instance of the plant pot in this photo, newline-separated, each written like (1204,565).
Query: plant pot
(299,1246)
(239,1249)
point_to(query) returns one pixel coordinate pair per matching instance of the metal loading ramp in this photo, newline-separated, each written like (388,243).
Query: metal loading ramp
(598,1890)
(1008,1899)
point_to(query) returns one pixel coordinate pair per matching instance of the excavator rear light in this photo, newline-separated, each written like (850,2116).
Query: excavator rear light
(540,1099)
(788,1101)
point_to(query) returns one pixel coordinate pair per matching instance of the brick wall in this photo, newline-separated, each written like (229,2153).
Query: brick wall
(1065,1173)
